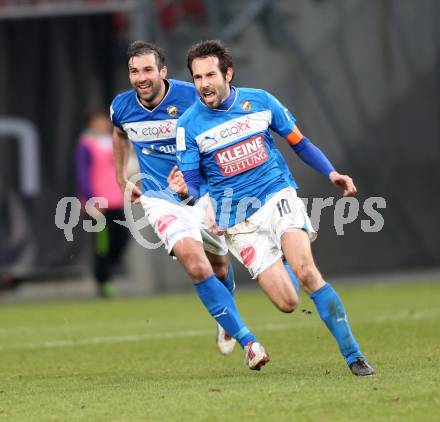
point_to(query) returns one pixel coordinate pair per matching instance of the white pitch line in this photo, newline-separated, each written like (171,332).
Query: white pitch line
(52,344)
(129,338)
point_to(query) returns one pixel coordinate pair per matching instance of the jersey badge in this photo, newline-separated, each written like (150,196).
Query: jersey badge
(172,111)
(246,106)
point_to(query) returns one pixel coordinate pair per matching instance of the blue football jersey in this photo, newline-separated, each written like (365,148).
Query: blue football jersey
(153,132)
(236,152)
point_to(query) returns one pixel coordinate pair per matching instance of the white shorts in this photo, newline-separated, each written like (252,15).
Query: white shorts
(172,222)
(256,242)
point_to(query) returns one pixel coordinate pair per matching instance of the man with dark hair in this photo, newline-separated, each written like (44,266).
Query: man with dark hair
(213,48)
(225,137)
(147,116)
(139,48)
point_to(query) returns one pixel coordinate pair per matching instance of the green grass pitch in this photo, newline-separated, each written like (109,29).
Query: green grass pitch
(154,359)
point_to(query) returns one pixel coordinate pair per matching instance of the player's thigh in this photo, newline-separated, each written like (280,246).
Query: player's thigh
(191,255)
(296,246)
(276,283)
(297,249)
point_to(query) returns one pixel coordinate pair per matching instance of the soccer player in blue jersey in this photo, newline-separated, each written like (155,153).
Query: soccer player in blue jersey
(147,116)
(225,137)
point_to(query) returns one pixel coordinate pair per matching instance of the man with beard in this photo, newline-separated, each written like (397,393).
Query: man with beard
(225,137)
(147,116)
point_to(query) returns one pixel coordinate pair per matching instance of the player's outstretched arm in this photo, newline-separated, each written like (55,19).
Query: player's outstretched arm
(315,158)
(121,152)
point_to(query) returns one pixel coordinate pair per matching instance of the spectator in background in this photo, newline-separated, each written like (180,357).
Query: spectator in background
(95,171)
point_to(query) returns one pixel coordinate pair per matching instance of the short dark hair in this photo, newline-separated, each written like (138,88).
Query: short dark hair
(139,48)
(210,48)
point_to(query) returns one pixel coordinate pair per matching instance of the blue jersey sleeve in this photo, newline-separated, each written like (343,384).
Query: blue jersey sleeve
(187,150)
(114,116)
(313,156)
(282,120)
(192,180)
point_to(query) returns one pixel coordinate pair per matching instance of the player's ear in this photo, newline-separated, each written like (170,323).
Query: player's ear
(163,72)
(229,74)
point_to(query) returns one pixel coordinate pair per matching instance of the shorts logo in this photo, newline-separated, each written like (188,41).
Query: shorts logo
(247,255)
(172,111)
(242,156)
(164,221)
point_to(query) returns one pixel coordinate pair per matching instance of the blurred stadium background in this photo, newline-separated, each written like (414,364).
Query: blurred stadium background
(361,76)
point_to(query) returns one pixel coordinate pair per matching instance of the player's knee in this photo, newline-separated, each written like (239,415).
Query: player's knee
(288,305)
(308,277)
(197,268)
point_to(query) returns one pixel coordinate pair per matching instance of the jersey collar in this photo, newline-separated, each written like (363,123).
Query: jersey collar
(227,104)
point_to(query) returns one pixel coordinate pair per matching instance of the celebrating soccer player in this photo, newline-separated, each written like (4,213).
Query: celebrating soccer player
(147,116)
(225,138)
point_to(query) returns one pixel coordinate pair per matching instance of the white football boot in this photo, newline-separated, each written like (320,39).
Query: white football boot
(255,356)
(224,341)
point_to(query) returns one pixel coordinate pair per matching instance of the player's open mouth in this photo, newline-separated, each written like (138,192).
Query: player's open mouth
(208,95)
(144,87)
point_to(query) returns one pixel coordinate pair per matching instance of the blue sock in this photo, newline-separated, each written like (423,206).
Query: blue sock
(220,304)
(229,281)
(332,312)
(291,275)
